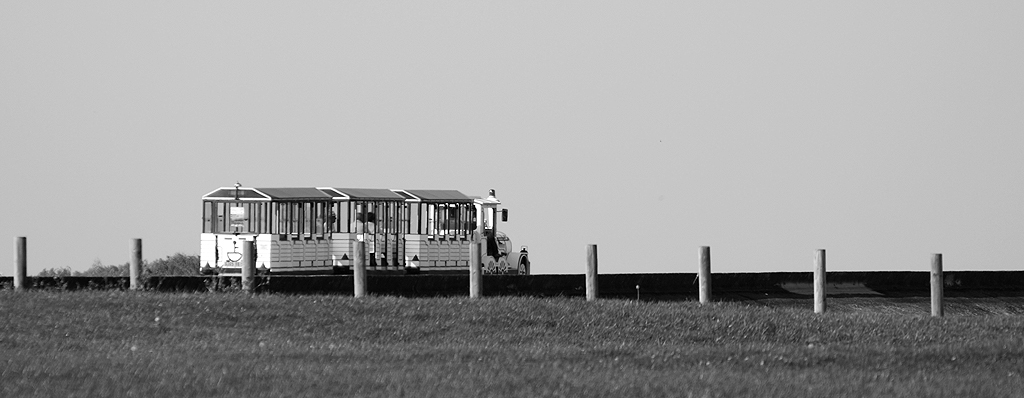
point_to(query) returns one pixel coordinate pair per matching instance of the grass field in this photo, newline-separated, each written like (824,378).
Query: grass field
(113,343)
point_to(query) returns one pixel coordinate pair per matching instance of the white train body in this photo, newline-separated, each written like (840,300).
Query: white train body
(317,230)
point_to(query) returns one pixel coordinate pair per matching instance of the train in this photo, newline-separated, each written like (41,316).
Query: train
(317,231)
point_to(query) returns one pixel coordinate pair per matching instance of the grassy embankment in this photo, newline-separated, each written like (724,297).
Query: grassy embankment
(96,343)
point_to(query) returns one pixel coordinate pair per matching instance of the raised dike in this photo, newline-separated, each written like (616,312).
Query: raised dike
(678,286)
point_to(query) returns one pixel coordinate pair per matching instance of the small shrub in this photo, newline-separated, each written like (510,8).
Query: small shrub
(98,269)
(175,265)
(56,272)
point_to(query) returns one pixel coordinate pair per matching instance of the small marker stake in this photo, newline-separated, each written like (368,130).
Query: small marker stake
(704,275)
(591,272)
(936,285)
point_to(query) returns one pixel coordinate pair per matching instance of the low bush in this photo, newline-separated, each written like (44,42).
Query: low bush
(178,264)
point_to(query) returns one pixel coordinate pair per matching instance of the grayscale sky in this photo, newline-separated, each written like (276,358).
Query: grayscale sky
(882,131)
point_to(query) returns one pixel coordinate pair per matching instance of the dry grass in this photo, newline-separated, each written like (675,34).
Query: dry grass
(153,344)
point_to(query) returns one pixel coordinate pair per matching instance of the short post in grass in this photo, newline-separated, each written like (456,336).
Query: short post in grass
(359,271)
(819,282)
(704,274)
(20,262)
(591,272)
(135,265)
(248,266)
(475,278)
(937,284)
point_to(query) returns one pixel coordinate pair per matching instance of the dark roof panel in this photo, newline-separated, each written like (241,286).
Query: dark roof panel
(370,194)
(294,193)
(440,195)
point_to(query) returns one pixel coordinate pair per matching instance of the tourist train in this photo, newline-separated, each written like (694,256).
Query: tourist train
(317,231)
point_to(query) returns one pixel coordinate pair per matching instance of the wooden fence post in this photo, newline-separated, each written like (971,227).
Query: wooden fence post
(937,284)
(248,266)
(591,272)
(20,262)
(819,283)
(704,274)
(475,277)
(359,271)
(135,265)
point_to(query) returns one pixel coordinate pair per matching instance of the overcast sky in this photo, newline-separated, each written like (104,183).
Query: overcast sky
(880,131)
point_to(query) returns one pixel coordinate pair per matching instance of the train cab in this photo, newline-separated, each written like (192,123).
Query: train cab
(498,254)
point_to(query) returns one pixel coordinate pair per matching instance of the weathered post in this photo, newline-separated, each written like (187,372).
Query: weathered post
(135,266)
(475,277)
(248,266)
(591,272)
(704,274)
(20,262)
(359,271)
(819,282)
(937,284)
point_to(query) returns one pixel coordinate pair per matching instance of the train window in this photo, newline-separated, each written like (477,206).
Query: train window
(208,217)
(221,210)
(238,217)
(467,221)
(276,217)
(303,219)
(472,217)
(348,217)
(415,219)
(318,218)
(431,219)
(338,219)
(254,217)
(333,217)
(305,229)
(383,219)
(437,220)
(264,217)
(406,221)
(281,218)
(281,215)
(322,219)
(293,218)
(312,218)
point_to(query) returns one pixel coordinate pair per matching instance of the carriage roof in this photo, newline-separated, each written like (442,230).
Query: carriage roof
(363,194)
(330,193)
(437,196)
